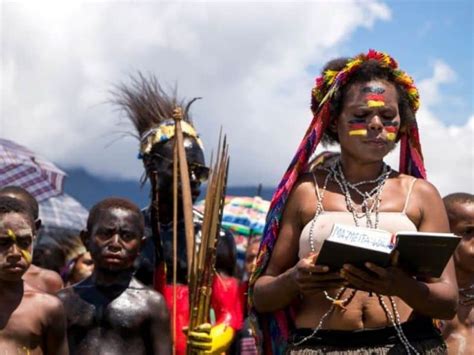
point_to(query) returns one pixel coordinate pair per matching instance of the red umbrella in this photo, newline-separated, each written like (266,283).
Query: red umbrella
(20,166)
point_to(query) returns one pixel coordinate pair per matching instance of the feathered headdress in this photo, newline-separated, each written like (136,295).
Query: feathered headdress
(276,326)
(151,109)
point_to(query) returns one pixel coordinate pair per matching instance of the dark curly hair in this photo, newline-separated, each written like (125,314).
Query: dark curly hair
(113,202)
(23,195)
(12,205)
(457,198)
(369,70)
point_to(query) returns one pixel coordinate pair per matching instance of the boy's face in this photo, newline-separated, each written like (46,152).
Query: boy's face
(16,244)
(115,239)
(462,224)
(83,267)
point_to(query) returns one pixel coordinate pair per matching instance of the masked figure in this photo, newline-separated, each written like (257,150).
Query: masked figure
(151,109)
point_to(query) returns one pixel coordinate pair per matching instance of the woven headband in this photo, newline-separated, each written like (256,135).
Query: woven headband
(331,81)
(164,132)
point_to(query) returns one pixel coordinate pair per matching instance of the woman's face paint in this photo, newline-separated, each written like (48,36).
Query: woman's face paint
(374,96)
(392,129)
(22,245)
(373,89)
(357,127)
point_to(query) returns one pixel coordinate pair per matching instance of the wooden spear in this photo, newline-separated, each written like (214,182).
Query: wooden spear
(210,230)
(175,238)
(185,189)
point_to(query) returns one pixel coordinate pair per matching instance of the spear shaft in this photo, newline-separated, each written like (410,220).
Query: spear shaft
(175,237)
(185,190)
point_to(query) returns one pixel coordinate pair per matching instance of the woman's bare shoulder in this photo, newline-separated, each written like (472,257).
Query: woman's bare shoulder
(304,182)
(421,187)
(305,185)
(423,193)
(318,174)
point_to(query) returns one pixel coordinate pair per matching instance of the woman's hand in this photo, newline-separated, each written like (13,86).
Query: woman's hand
(384,281)
(311,278)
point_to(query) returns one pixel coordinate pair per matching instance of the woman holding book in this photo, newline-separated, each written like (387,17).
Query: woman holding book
(367,105)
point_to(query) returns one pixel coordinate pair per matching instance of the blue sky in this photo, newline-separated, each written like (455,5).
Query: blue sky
(254,64)
(420,32)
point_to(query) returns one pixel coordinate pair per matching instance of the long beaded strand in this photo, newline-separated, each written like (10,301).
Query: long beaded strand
(373,195)
(323,318)
(396,324)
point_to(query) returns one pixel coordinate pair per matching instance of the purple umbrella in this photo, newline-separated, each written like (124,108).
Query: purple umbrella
(21,167)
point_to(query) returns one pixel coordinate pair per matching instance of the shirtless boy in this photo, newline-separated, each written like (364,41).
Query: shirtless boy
(31,322)
(110,311)
(459,332)
(45,280)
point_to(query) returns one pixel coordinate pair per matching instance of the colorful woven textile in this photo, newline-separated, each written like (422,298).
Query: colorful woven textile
(275,327)
(20,166)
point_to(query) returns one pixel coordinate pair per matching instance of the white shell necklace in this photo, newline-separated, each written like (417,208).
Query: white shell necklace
(370,204)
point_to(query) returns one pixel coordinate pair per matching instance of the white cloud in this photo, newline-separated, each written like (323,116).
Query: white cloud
(249,61)
(448,150)
(449,155)
(430,88)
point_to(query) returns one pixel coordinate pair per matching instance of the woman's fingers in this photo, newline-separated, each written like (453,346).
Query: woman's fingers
(358,283)
(313,269)
(349,270)
(358,279)
(380,271)
(313,278)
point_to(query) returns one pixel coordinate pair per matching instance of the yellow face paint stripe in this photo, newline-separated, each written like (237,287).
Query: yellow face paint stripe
(25,253)
(374,103)
(358,132)
(391,136)
(11,234)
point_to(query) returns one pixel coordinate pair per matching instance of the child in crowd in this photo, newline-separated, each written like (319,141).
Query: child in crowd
(459,332)
(110,311)
(31,321)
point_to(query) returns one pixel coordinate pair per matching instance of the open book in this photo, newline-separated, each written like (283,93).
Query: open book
(421,254)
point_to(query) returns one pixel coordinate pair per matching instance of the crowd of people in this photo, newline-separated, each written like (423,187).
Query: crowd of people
(117,293)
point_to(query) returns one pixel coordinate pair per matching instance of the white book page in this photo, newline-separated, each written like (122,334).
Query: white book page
(428,234)
(374,239)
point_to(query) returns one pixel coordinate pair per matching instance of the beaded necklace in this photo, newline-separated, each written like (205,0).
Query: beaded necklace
(370,205)
(371,199)
(466,294)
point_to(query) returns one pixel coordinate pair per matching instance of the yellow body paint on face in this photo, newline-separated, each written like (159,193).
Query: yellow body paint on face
(391,136)
(391,131)
(358,132)
(374,103)
(26,254)
(375,97)
(25,349)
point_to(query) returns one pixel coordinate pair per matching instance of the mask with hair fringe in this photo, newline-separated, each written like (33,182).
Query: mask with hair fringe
(150,109)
